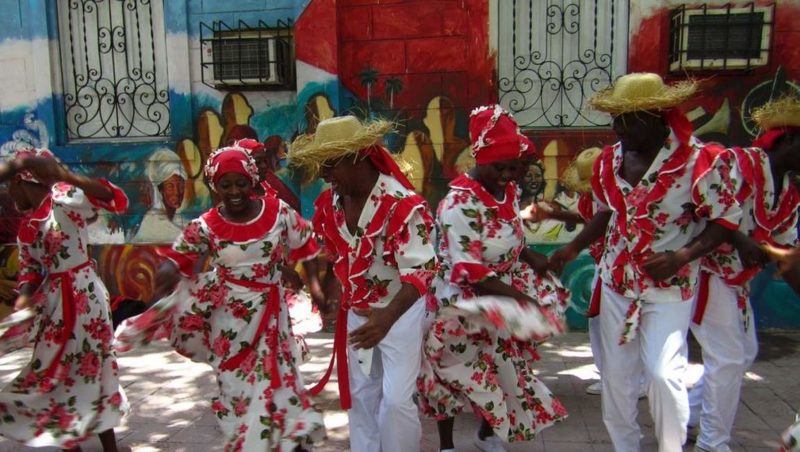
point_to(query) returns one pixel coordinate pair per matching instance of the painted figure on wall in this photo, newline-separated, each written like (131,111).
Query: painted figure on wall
(163,222)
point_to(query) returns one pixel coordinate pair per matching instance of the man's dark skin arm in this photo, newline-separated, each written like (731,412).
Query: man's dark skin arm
(664,265)
(750,252)
(537,261)
(593,231)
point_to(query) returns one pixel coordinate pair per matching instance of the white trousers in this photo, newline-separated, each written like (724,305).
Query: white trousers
(595,341)
(660,351)
(383,416)
(728,351)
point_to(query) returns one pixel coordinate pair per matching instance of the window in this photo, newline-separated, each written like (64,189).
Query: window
(247,57)
(114,73)
(720,38)
(553,55)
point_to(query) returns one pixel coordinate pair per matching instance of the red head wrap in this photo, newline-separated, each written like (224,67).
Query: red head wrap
(254,146)
(528,148)
(23,154)
(231,159)
(768,139)
(495,135)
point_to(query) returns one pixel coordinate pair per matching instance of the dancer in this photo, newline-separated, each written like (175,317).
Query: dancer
(667,200)
(235,318)
(377,234)
(723,323)
(466,361)
(70,390)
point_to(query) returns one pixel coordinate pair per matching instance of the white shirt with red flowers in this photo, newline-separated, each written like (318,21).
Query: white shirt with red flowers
(686,187)
(391,245)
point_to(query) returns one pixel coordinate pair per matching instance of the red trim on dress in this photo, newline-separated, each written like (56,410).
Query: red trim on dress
(254,229)
(118,202)
(29,226)
(469,273)
(184,261)
(309,250)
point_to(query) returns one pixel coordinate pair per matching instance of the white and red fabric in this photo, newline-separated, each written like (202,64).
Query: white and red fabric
(687,186)
(644,321)
(70,391)
(235,318)
(495,135)
(231,159)
(722,321)
(468,361)
(660,352)
(392,246)
(25,153)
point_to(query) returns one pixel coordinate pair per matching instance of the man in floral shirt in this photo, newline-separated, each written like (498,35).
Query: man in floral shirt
(377,232)
(722,321)
(666,200)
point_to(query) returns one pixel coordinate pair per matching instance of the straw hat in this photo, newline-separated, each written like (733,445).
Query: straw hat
(335,138)
(784,112)
(578,175)
(642,91)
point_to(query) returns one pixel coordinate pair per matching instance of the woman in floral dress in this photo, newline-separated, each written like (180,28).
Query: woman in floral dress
(235,317)
(465,360)
(70,390)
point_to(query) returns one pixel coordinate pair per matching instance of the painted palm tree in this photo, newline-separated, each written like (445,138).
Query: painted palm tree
(368,78)
(393,86)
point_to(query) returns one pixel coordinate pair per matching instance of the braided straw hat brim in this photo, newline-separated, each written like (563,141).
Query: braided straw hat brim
(668,97)
(310,152)
(784,112)
(571,180)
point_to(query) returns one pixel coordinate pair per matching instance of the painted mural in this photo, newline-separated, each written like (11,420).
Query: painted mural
(423,65)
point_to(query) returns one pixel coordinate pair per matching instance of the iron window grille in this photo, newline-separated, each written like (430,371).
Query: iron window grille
(720,38)
(245,57)
(114,73)
(553,55)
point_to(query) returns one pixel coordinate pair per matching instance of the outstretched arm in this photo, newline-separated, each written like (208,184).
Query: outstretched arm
(593,231)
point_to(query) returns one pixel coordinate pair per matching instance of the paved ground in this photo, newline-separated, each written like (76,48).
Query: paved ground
(170,409)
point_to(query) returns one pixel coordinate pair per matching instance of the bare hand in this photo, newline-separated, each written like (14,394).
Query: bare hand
(661,266)
(291,278)
(46,170)
(22,302)
(751,254)
(561,258)
(368,335)
(784,258)
(167,277)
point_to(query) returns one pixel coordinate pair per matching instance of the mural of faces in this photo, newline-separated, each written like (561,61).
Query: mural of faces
(172,191)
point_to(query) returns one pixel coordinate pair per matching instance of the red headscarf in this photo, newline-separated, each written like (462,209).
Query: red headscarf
(231,159)
(767,139)
(528,148)
(385,164)
(495,135)
(254,146)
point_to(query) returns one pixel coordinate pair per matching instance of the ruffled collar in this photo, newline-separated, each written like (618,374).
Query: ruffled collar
(505,208)
(29,226)
(254,229)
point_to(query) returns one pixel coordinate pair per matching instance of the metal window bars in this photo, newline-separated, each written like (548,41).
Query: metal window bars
(726,37)
(114,74)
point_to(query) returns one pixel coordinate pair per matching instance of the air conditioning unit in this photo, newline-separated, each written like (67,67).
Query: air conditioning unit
(720,38)
(247,58)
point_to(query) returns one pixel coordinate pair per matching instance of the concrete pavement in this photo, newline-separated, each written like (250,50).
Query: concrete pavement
(170,397)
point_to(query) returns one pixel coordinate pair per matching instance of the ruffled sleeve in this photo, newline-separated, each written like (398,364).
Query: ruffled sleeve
(189,247)
(76,200)
(300,237)
(410,242)
(713,187)
(460,226)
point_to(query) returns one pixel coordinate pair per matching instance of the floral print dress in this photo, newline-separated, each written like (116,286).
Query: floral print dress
(70,390)
(235,318)
(465,361)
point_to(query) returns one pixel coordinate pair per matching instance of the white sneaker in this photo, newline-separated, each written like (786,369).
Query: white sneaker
(490,444)
(595,388)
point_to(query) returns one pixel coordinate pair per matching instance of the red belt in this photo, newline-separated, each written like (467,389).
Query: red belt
(340,351)
(272,311)
(68,313)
